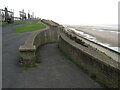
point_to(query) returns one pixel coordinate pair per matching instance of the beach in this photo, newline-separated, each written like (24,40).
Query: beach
(104,39)
(103,35)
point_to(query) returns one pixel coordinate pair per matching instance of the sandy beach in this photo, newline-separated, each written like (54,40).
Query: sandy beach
(101,34)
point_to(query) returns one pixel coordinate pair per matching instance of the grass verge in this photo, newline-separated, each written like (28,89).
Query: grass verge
(30,27)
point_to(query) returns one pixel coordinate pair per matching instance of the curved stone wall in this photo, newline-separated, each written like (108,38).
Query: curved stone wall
(28,51)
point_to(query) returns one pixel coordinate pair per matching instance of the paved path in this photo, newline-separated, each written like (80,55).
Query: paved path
(10,44)
(54,71)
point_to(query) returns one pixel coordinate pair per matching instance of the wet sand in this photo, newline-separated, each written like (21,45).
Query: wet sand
(104,36)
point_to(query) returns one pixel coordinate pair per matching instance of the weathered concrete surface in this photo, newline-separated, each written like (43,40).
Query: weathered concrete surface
(28,51)
(97,63)
(54,71)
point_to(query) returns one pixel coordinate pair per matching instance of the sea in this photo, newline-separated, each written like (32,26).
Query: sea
(114,28)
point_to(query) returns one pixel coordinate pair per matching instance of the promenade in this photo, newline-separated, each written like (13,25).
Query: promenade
(54,71)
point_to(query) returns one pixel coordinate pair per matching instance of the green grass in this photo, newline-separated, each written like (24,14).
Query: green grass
(30,27)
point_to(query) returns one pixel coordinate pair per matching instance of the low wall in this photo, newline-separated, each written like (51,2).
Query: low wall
(28,51)
(99,65)
(50,22)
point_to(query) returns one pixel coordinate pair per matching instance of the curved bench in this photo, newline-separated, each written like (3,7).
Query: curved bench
(28,51)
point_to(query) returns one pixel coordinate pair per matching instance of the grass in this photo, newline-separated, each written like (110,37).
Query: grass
(30,27)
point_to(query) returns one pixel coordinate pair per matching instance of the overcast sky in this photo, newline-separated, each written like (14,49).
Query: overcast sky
(77,12)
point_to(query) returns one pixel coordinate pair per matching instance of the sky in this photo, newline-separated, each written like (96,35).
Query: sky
(77,12)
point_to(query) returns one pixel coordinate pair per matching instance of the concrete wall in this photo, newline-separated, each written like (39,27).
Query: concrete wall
(98,64)
(90,61)
(28,51)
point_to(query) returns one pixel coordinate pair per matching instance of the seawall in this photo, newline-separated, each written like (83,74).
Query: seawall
(98,64)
